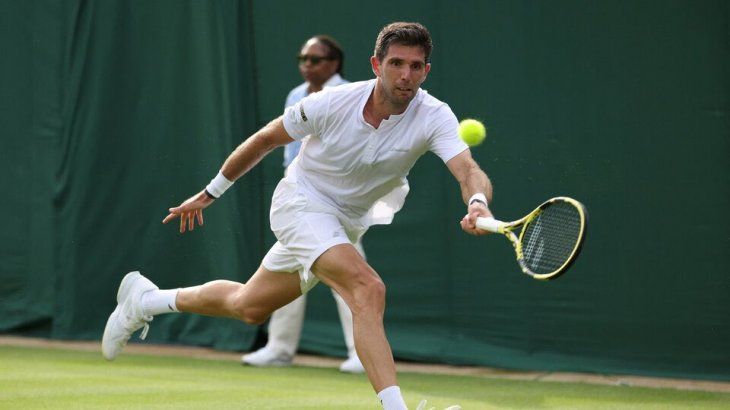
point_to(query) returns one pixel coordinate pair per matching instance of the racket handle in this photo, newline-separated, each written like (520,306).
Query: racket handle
(490,224)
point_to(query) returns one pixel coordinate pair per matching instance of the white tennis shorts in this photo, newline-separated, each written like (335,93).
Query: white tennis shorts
(304,230)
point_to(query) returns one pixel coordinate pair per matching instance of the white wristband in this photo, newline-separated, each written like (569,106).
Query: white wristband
(218,185)
(479,197)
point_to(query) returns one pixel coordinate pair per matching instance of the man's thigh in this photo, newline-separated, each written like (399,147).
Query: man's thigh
(342,268)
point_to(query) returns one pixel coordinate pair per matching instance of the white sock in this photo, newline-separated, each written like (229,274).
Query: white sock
(155,302)
(391,399)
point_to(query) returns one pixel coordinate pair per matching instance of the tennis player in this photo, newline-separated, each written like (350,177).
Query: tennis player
(364,138)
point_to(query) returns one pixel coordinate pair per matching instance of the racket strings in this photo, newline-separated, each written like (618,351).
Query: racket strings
(550,239)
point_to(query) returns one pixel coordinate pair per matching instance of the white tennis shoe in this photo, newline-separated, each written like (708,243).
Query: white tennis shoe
(352,365)
(267,357)
(128,317)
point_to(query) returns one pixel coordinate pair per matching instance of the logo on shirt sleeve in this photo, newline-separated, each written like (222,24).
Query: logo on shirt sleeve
(301,112)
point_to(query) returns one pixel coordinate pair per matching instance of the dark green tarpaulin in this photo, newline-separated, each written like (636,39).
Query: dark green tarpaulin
(112,111)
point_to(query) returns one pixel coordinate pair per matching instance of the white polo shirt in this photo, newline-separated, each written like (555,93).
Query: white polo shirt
(351,167)
(301,91)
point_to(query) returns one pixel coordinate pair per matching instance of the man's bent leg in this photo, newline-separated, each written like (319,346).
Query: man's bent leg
(344,270)
(251,302)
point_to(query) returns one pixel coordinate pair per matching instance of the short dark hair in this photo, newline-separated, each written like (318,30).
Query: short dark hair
(335,51)
(407,34)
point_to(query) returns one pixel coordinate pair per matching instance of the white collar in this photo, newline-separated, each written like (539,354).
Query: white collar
(334,80)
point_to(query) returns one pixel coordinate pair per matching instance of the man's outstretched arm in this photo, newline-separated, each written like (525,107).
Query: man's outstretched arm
(476,190)
(254,149)
(242,159)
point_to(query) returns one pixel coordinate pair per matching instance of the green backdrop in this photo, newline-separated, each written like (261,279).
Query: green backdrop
(112,111)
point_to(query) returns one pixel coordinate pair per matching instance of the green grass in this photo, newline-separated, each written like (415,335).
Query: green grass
(52,378)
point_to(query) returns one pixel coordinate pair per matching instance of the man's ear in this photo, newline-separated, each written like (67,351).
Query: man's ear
(427,70)
(375,63)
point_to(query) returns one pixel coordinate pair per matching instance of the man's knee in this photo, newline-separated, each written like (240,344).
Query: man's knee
(255,316)
(251,315)
(368,292)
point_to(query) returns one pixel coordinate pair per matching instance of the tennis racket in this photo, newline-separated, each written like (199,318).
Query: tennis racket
(548,239)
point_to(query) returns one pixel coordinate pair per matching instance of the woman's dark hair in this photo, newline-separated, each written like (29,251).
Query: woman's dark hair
(335,51)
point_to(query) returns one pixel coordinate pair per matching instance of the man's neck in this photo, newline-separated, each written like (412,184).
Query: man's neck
(379,108)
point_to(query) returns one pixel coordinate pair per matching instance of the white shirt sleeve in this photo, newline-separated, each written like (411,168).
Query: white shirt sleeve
(444,140)
(307,116)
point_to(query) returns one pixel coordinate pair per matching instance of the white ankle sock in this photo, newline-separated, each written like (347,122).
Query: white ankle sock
(391,399)
(155,302)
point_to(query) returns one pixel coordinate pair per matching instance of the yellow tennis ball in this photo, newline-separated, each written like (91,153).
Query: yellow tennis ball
(472,132)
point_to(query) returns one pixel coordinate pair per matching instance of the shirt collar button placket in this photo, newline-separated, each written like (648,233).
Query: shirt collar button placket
(370,149)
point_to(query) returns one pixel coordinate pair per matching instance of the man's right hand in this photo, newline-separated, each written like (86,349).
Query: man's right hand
(469,222)
(189,211)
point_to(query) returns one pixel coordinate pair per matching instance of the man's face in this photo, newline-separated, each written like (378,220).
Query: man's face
(314,64)
(401,72)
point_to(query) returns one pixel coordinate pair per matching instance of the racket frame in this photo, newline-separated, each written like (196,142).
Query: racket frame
(508,229)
